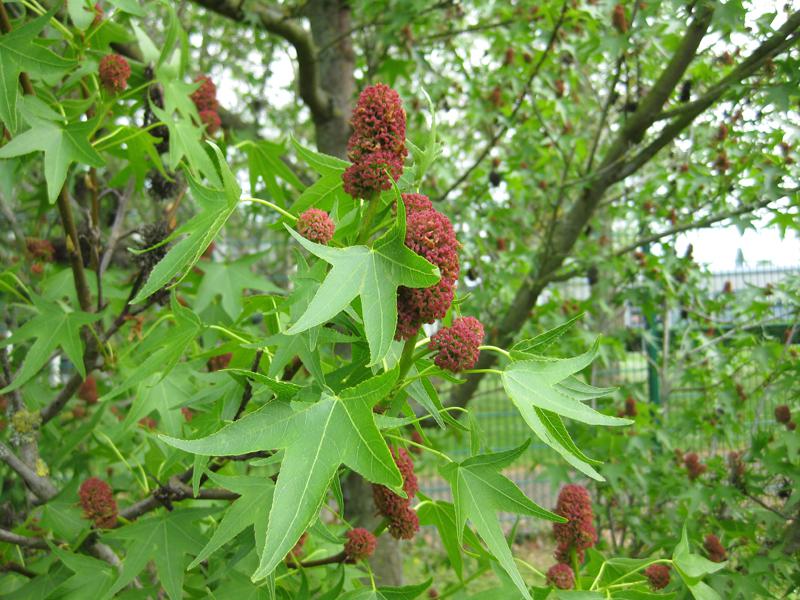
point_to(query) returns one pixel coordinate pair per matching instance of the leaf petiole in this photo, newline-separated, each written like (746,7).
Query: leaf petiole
(273,206)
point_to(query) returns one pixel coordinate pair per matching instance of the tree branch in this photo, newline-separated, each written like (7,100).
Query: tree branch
(22,540)
(42,487)
(301,40)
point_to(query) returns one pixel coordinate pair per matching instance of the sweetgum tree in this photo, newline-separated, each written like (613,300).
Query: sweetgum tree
(212,393)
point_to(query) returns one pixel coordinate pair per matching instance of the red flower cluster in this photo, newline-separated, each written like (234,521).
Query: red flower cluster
(658,576)
(41,249)
(360,544)
(561,576)
(630,407)
(316,225)
(403,520)
(205,99)
(216,363)
(377,144)
(456,346)
(114,71)
(575,504)
(618,19)
(783,414)
(430,234)
(714,548)
(98,502)
(693,465)
(88,390)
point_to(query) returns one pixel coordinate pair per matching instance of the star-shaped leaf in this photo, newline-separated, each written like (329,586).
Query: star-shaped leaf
(480,492)
(217,206)
(52,327)
(373,274)
(164,539)
(318,439)
(19,52)
(61,143)
(185,140)
(92,577)
(544,389)
(229,280)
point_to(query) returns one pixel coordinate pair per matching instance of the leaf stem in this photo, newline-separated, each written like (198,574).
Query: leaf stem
(272,205)
(421,446)
(229,333)
(407,357)
(364,231)
(576,568)
(495,349)
(495,371)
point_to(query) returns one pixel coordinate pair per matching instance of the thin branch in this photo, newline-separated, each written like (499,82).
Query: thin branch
(329,560)
(517,106)
(42,487)
(248,388)
(22,540)
(14,567)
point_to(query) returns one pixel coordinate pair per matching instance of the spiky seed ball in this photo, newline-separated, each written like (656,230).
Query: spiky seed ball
(405,465)
(40,249)
(783,414)
(416,203)
(372,174)
(114,72)
(561,576)
(205,97)
(387,503)
(315,225)
(714,548)
(404,525)
(88,390)
(575,504)
(152,234)
(658,576)
(219,362)
(456,346)
(97,501)
(693,465)
(360,544)
(618,19)
(379,124)
(163,188)
(430,234)
(211,121)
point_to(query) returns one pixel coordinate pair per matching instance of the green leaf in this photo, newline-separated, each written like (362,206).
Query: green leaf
(229,280)
(479,493)
(217,206)
(692,567)
(318,439)
(255,491)
(373,274)
(546,384)
(81,12)
(549,428)
(163,539)
(19,52)
(407,592)
(92,577)
(185,140)
(323,164)
(542,341)
(62,145)
(52,327)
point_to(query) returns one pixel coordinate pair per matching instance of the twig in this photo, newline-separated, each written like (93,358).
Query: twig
(248,388)
(21,540)
(42,487)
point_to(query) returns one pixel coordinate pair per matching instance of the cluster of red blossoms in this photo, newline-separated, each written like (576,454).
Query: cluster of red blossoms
(457,346)
(578,533)
(430,234)
(658,576)
(205,99)
(219,362)
(783,415)
(693,465)
(360,544)
(377,144)
(114,71)
(561,576)
(316,225)
(98,502)
(88,390)
(403,520)
(715,549)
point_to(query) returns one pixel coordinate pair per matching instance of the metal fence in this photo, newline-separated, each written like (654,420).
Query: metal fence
(502,428)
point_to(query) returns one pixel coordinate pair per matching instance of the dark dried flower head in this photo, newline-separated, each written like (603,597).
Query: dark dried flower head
(561,576)
(693,465)
(372,174)
(163,188)
(97,501)
(210,119)
(404,525)
(783,414)
(456,346)
(578,533)
(714,548)
(221,361)
(360,544)
(88,390)
(658,576)
(379,124)
(736,468)
(152,234)
(630,407)
(205,97)
(40,249)
(114,71)
(315,225)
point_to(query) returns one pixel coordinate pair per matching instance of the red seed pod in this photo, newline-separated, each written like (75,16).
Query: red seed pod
(658,576)
(457,346)
(783,414)
(693,465)
(618,19)
(575,504)
(315,225)
(379,124)
(404,525)
(360,544)
(211,121)
(372,174)
(219,362)
(561,576)
(97,501)
(714,548)
(205,97)
(88,390)
(40,249)
(114,72)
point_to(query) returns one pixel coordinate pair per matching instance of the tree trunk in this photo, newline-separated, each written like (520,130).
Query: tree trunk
(330,26)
